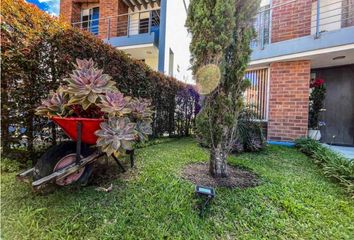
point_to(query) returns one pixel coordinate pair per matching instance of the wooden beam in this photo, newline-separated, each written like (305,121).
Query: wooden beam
(26,175)
(129,4)
(143,3)
(137,4)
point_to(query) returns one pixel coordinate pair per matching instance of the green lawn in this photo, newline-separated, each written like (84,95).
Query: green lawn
(294,202)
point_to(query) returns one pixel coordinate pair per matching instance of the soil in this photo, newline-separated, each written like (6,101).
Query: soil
(198,173)
(106,171)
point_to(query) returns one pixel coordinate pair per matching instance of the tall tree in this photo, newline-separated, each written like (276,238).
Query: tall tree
(221,34)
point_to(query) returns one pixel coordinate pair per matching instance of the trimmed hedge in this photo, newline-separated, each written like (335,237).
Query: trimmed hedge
(38,51)
(333,165)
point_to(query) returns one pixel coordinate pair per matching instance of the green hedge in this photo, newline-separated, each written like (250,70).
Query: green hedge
(332,164)
(38,52)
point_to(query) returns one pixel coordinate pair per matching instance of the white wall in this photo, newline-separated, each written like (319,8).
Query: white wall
(330,15)
(152,62)
(178,40)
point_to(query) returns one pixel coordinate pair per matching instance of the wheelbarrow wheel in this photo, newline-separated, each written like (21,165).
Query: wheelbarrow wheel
(60,156)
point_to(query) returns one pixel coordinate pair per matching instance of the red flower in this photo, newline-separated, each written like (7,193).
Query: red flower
(318,82)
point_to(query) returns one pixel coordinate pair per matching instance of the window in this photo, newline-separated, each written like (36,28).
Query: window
(256,96)
(143,25)
(262,26)
(170,66)
(90,20)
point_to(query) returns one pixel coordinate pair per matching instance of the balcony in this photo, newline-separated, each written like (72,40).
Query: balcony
(292,27)
(125,30)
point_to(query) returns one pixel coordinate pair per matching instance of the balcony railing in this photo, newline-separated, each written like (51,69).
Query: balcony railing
(290,19)
(123,25)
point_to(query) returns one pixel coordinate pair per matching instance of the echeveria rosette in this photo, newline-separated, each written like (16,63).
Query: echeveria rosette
(116,135)
(86,85)
(84,64)
(141,109)
(55,104)
(143,129)
(115,104)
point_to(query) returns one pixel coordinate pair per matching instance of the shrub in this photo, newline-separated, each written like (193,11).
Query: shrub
(187,107)
(220,51)
(249,136)
(333,165)
(8,165)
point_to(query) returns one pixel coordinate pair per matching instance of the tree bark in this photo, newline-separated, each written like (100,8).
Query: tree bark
(218,164)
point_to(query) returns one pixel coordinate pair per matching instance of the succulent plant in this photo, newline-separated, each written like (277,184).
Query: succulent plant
(141,109)
(92,94)
(87,84)
(82,64)
(115,104)
(143,129)
(116,135)
(55,104)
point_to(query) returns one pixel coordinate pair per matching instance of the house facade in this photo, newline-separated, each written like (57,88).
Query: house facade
(148,30)
(300,40)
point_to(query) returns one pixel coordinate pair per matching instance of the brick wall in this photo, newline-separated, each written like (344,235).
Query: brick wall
(288,100)
(291,20)
(108,8)
(70,11)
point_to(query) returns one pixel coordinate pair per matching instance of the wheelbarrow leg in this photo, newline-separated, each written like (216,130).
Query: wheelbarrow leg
(119,164)
(78,143)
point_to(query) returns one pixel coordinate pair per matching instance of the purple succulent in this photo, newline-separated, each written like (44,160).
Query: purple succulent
(87,84)
(141,109)
(55,104)
(115,104)
(143,129)
(84,64)
(116,135)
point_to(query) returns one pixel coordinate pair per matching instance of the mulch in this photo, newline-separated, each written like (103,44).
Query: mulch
(198,173)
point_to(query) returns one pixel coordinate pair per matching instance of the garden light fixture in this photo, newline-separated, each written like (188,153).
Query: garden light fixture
(207,194)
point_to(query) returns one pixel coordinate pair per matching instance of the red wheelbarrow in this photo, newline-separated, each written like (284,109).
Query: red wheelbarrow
(70,161)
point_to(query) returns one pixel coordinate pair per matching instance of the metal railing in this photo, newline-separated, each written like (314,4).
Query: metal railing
(275,23)
(123,25)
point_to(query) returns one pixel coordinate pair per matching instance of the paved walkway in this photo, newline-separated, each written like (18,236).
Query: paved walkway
(347,152)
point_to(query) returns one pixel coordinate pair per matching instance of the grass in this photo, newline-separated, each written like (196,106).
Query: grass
(294,202)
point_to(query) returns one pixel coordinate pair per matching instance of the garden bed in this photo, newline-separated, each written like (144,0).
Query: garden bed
(153,201)
(198,173)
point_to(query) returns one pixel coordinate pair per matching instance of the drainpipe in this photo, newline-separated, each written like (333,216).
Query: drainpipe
(318,20)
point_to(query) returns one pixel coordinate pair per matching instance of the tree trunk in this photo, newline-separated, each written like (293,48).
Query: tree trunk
(218,164)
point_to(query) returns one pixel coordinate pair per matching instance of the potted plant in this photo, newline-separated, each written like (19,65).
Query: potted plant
(113,122)
(317,96)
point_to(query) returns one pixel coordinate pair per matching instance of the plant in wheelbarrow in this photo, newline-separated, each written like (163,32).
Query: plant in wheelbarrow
(97,117)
